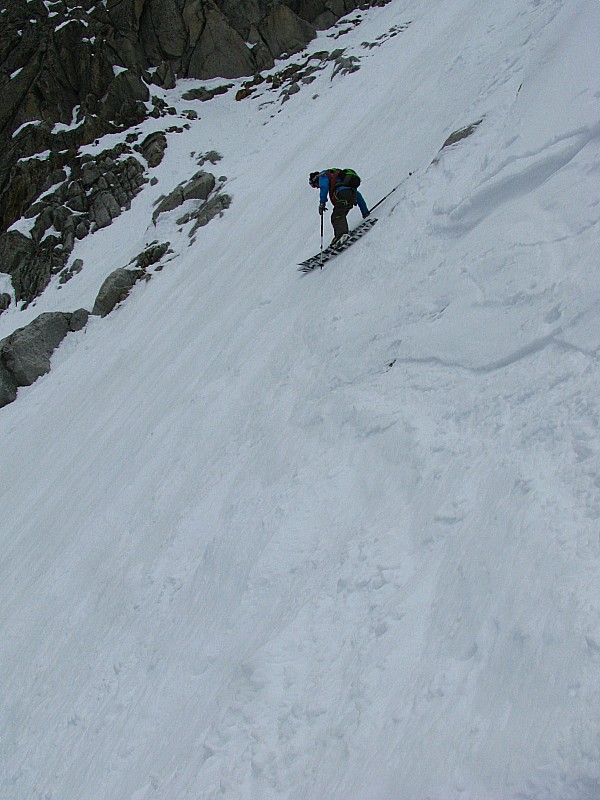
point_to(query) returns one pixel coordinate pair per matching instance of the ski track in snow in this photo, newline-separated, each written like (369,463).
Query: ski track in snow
(270,536)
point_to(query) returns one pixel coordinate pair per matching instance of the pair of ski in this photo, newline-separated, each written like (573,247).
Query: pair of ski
(317,261)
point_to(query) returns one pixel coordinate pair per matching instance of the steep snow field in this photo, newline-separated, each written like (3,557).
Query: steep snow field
(335,536)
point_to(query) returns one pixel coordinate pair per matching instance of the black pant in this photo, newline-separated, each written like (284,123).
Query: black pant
(345,198)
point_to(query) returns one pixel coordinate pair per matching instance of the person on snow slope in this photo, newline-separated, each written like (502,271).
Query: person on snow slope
(341,185)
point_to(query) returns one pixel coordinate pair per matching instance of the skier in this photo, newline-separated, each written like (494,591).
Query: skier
(342,187)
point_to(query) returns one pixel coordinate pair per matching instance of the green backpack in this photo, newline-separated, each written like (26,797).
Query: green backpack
(349,178)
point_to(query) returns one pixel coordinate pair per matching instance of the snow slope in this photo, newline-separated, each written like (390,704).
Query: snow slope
(268,535)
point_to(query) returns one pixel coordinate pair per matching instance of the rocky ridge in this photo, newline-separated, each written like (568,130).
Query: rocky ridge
(72,73)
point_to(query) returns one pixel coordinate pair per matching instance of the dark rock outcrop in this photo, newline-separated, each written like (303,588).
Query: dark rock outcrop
(197,188)
(30,267)
(220,51)
(213,207)
(71,72)
(202,94)
(152,255)
(287,81)
(73,270)
(97,191)
(8,388)
(25,354)
(87,66)
(458,136)
(153,148)
(115,289)
(283,32)
(211,157)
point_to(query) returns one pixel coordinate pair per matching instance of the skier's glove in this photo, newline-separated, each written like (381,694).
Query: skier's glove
(322,208)
(366,214)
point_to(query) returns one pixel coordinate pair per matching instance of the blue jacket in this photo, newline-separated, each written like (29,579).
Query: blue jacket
(324,192)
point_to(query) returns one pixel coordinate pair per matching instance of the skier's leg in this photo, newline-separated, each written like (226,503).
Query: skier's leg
(339,220)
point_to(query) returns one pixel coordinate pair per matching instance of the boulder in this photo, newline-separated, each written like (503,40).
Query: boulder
(211,156)
(164,76)
(115,289)
(71,271)
(104,209)
(78,319)
(8,388)
(153,148)
(202,94)
(199,187)
(152,255)
(25,354)
(82,229)
(213,207)
(173,200)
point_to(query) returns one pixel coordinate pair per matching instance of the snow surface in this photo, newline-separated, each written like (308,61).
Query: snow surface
(268,535)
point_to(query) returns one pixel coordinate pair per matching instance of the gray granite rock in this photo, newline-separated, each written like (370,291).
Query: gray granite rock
(115,289)
(199,187)
(52,72)
(153,148)
(283,31)
(8,388)
(25,354)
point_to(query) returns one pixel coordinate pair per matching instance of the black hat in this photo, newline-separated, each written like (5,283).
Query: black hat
(313,179)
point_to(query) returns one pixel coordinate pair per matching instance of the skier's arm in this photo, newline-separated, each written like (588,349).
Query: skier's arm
(361,204)
(323,189)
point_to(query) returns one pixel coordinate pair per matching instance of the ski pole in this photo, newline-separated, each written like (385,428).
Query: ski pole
(321,241)
(389,193)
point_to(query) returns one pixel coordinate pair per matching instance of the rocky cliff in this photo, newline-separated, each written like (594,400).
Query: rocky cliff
(74,70)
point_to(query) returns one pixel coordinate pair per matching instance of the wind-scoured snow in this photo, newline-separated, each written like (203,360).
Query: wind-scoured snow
(272,535)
